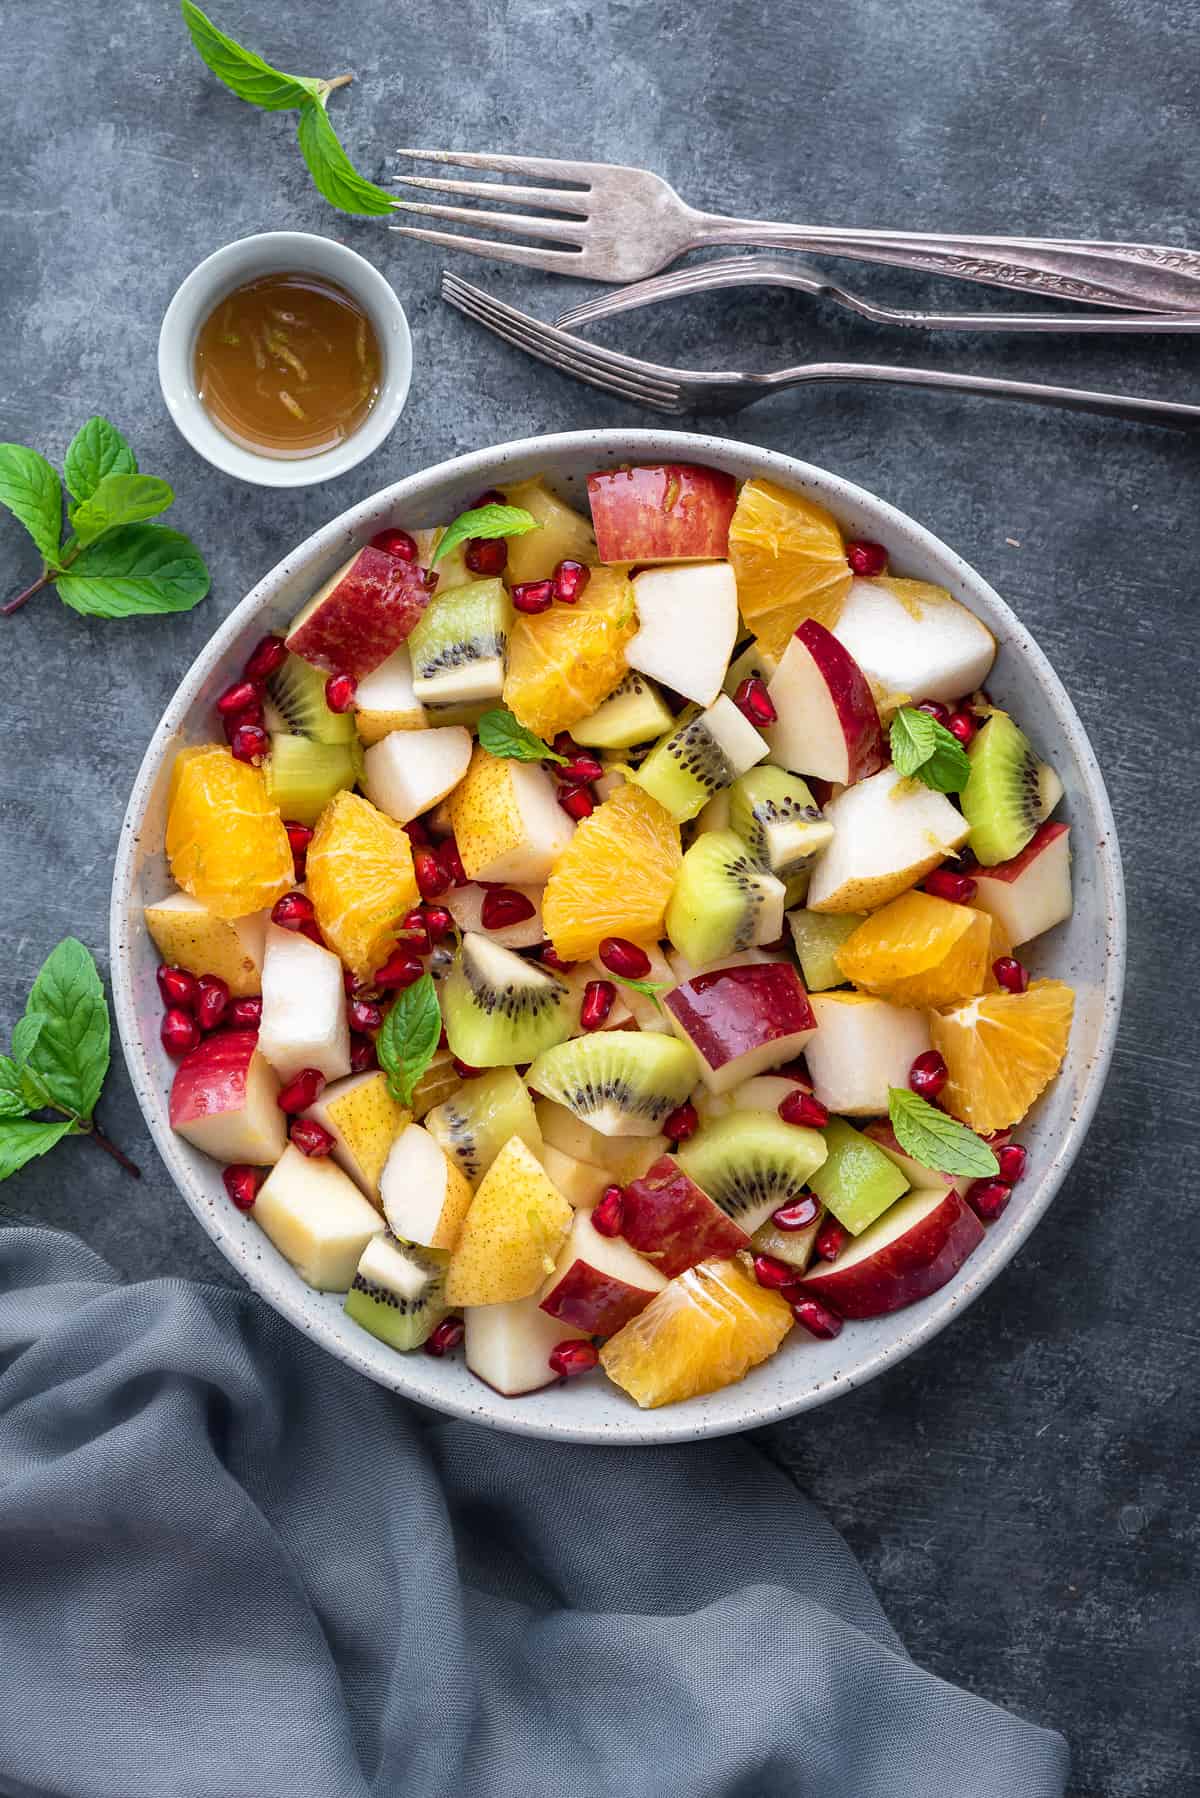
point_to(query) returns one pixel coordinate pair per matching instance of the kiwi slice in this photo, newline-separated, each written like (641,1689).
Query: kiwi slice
(398,1291)
(818,936)
(751,1162)
(621,1082)
(474,1125)
(857,1181)
(303,775)
(700,754)
(778,819)
(458,644)
(295,702)
(1009,792)
(635,713)
(750,662)
(722,901)
(499,1008)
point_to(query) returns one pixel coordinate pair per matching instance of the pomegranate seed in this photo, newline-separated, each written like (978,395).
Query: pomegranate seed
(250,743)
(581,770)
(414,932)
(180,1032)
(266,658)
(565,744)
(754,702)
(1012,974)
(487,556)
(550,958)
(438,922)
(797,1214)
(577,802)
(830,1240)
(448,1334)
(301,1091)
(816,1318)
(213,1001)
(418,833)
(608,1216)
(299,836)
(235,720)
(962,726)
(244,1014)
(683,1122)
(178,987)
(311,1138)
(773,1274)
(396,543)
(464,1070)
(944,883)
(599,997)
(936,710)
(570,1358)
(622,957)
(801,1108)
(364,1015)
(432,878)
(451,863)
(502,907)
(443,1041)
(312,930)
(988,1198)
(242,1184)
(340,690)
(491,496)
(400,969)
(362,1055)
(533,596)
(243,696)
(293,910)
(1013,1159)
(928,1075)
(570,579)
(866,559)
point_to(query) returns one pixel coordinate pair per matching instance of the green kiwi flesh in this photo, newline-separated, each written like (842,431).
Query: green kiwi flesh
(634,714)
(458,644)
(1009,792)
(295,702)
(303,775)
(818,936)
(686,767)
(397,1292)
(500,1009)
(751,1162)
(777,818)
(857,1181)
(474,1125)
(621,1082)
(722,901)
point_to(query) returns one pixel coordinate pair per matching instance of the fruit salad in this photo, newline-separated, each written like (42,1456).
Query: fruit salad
(602,945)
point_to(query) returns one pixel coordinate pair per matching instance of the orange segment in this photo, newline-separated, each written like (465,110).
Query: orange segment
(563,663)
(225,840)
(705,1330)
(1002,1051)
(360,879)
(790,562)
(919,950)
(614,877)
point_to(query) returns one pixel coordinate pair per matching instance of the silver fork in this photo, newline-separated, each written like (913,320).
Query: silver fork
(781,271)
(621,224)
(680,390)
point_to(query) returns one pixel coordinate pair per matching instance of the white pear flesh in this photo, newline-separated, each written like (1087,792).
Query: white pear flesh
(317,1219)
(887,834)
(924,645)
(465,905)
(1031,893)
(862,1047)
(187,935)
(409,771)
(385,700)
(304,1007)
(425,1197)
(687,627)
(509,1346)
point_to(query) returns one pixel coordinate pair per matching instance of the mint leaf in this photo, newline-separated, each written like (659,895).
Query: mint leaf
(243,72)
(334,175)
(484,521)
(22,1141)
(936,1140)
(119,499)
(924,749)
(137,568)
(25,1036)
(408,1041)
(12,1101)
(500,734)
(96,449)
(32,492)
(649,988)
(71,1050)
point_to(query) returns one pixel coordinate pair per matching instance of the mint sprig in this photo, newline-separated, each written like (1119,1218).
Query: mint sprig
(60,1054)
(650,989)
(938,1141)
(246,74)
(112,563)
(408,1040)
(484,521)
(500,734)
(924,749)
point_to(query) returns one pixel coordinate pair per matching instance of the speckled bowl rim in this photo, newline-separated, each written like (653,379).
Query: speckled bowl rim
(739,1407)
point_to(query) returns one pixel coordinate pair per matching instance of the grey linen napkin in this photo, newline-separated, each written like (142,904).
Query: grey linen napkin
(230,1568)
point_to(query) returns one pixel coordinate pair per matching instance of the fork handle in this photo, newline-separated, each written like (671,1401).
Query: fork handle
(1146,277)
(1035,393)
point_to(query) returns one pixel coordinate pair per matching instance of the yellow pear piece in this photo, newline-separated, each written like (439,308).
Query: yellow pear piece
(511,1236)
(507,821)
(364,1121)
(188,935)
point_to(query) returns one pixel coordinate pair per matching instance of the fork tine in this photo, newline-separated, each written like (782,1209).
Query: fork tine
(578,371)
(555,262)
(519,223)
(660,286)
(544,167)
(560,199)
(627,368)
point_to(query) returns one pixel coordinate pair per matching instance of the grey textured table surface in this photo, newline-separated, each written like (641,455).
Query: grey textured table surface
(1023,1492)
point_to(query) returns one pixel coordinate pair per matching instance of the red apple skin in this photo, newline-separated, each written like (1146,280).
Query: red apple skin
(662,512)
(866,750)
(732,1011)
(1041,839)
(212,1079)
(367,616)
(673,1222)
(594,1301)
(908,1268)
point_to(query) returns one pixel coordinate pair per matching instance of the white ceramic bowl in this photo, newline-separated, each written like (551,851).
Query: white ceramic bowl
(1089,951)
(281,252)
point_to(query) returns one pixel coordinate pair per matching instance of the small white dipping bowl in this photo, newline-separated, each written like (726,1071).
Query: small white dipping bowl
(281,252)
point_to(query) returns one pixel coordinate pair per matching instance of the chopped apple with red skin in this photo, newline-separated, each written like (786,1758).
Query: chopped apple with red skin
(1032,892)
(863,1046)
(827,724)
(687,627)
(304,1021)
(508,1346)
(598,1283)
(672,1222)
(908,1253)
(223,1100)
(410,770)
(361,614)
(914,641)
(662,512)
(888,833)
(742,1020)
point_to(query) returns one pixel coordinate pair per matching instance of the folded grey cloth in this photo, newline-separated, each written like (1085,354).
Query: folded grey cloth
(230,1568)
